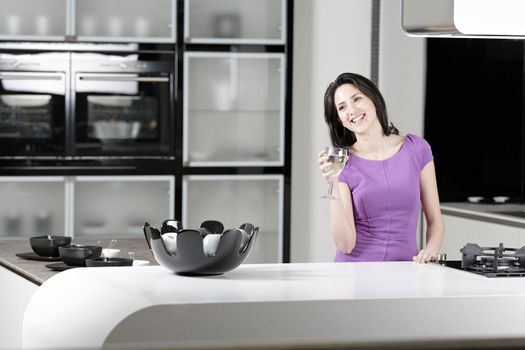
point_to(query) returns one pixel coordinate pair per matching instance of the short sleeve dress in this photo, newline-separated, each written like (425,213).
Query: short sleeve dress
(386,202)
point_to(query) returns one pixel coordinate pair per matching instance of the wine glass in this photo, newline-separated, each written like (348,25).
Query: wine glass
(338,157)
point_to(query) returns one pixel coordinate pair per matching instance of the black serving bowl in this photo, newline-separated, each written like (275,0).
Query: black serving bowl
(104,261)
(190,258)
(76,254)
(48,245)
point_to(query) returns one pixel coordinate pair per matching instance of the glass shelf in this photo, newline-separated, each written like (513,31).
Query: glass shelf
(32,206)
(119,205)
(125,20)
(235,21)
(234,200)
(228,120)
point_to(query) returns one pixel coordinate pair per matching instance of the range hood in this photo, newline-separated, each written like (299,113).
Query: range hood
(464,18)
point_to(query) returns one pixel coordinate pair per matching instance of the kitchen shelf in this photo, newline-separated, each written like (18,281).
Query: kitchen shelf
(239,123)
(235,22)
(83,206)
(89,20)
(32,205)
(232,199)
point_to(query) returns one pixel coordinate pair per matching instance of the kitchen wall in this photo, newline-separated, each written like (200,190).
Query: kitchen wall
(331,37)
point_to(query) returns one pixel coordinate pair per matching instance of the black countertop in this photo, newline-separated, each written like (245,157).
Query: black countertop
(36,272)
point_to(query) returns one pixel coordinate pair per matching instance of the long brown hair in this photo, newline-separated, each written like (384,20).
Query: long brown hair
(339,135)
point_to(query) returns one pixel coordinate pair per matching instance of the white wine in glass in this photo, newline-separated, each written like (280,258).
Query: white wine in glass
(338,157)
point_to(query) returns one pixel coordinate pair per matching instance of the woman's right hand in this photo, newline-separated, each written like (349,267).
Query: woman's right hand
(325,166)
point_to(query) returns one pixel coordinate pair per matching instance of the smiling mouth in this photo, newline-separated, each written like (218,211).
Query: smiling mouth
(357,119)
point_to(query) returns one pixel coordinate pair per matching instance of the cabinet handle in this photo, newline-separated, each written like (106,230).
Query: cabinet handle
(124,78)
(30,77)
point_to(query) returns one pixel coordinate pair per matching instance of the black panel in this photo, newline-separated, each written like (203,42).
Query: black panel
(474,116)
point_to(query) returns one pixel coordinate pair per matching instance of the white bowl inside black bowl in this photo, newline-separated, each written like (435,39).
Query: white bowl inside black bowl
(48,245)
(190,257)
(76,254)
(105,261)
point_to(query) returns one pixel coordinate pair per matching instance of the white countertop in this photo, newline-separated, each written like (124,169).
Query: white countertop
(272,304)
(489,212)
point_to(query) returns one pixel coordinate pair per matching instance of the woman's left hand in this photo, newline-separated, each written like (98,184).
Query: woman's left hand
(424,256)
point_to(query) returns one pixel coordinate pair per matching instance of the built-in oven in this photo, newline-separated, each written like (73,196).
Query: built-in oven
(33,104)
(122,105)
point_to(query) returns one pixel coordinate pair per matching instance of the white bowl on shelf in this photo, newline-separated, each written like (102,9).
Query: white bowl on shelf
(474,199)
(500,199)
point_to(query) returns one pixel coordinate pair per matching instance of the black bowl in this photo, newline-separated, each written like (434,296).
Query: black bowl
(48,245)
(190,258)
(103,261)
(76,254)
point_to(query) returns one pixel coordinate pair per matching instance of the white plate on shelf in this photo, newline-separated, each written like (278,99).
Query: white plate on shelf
(113,101)
(474,199)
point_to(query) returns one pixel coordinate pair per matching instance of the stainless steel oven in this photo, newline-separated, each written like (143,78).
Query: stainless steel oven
(33,104)
(122,105)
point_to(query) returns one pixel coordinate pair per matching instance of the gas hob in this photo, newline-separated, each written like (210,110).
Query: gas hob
(497,261)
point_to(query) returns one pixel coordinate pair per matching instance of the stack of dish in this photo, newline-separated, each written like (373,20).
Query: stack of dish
(59,248)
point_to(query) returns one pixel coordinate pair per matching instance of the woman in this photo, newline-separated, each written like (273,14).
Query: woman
(386,178)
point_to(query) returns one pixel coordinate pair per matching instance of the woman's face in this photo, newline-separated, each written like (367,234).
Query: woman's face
(355,110)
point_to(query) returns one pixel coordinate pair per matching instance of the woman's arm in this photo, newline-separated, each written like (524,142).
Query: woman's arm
(342,218)
(431,209)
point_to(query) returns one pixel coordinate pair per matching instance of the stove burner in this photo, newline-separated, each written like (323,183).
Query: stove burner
(501,263)
(493,261)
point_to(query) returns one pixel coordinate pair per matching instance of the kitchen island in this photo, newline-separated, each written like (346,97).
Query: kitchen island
(21,278)
(299,306)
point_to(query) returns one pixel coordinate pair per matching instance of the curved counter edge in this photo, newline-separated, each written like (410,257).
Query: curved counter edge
(271,305)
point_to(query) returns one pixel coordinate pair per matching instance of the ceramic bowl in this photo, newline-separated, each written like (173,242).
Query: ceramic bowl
(500,199)
(191,259)
(48,245)
(474,199)
(103,261)
(76,254)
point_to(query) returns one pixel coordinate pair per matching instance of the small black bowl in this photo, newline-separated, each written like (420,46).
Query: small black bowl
(48,245)
(104,261)
(76,254)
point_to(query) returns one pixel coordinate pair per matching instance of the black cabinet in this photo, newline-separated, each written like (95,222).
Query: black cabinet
(474,116)
(222,121)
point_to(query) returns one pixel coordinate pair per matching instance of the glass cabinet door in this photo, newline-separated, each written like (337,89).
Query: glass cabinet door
(33,104)
(125,20)
(28,19)
(119,205)
(234,200)
(233,109)
(123,106)
(235,21)
(32,206)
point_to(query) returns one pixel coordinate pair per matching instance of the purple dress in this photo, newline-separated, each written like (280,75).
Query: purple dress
(386,201)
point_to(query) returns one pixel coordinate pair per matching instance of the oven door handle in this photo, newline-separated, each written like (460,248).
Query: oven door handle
(123,78)
(29,76)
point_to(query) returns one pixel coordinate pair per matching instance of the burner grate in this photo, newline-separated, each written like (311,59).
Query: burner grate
(493,261)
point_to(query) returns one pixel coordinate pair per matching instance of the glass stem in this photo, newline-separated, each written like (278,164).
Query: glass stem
(330,187)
